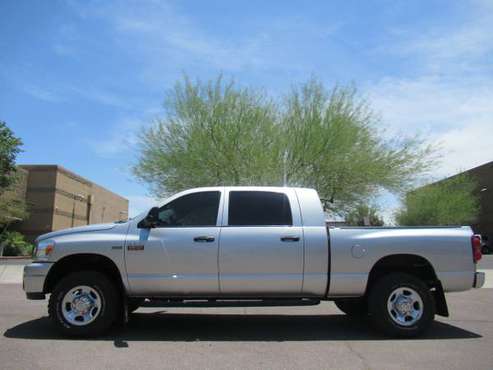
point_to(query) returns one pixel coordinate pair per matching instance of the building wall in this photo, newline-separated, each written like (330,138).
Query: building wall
(60,199)
(39,199)
(107,206)
(71,200)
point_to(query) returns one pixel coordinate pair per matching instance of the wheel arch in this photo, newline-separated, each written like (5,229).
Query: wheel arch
(409,263)
(83,262)
(412,264)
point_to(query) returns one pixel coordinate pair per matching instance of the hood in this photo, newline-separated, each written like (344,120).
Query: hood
(76,230)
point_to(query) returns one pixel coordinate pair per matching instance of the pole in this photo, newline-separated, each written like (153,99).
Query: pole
(284,169)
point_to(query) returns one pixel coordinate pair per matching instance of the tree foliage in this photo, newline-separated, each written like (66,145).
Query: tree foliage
(10,146)
(218,133)
(12,202)
(364,215)
(213,134)
(335,145)
(449,202)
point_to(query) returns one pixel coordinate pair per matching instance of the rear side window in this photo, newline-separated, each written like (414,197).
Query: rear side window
(258,208)
(196,209)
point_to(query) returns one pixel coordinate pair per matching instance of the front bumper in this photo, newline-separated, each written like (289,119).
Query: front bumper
(34,279)
(479,278)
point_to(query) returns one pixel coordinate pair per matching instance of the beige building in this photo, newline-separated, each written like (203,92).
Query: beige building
(58,199)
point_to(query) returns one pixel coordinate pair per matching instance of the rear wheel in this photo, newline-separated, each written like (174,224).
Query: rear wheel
(356,307)
(84,304)
(401,305)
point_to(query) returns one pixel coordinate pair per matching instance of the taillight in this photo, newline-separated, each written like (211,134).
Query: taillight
(476,248)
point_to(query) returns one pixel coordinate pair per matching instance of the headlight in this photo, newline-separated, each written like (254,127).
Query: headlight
(44,249)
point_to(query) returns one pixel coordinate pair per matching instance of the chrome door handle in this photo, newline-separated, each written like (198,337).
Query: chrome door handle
(204,239)
(290,238)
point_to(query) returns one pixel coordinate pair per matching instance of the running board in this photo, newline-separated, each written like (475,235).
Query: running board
(156,302)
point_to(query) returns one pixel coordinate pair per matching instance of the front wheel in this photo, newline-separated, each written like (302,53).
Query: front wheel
(84,304)
(401,305)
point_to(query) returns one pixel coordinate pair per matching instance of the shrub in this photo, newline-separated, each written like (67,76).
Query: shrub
(453,201)
(14,244)
(364,215)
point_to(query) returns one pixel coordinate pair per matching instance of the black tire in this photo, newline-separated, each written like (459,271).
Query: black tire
(381,318)
(355,307)
(106,315)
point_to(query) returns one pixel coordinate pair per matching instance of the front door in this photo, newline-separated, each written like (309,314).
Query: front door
(261,245)
(178,256)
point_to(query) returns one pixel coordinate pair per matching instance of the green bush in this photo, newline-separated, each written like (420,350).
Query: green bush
(14,244)
(364,215)
(453,201)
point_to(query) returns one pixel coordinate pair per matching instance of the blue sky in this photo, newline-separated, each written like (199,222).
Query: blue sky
(80,78)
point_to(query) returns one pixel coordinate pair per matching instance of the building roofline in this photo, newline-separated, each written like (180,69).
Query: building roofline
(469,172)
(57,167)
(487,164)
(465,172)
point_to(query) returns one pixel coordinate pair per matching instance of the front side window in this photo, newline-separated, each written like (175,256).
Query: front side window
(196,209)
(259,208)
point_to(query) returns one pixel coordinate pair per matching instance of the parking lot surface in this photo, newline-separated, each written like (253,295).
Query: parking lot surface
(311,337)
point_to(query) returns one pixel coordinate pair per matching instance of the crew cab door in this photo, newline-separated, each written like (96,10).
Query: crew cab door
(179,255)
(261,243)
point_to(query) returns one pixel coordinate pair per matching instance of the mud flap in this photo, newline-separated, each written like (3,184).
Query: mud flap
(124,311)
(440,301)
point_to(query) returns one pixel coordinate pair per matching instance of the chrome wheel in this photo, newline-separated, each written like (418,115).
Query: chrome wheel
(405,306)
(81,305)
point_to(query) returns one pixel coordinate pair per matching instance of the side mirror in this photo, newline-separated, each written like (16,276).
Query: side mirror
(150,221)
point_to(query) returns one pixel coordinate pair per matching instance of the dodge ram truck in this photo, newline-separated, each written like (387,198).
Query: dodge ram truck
(250,245)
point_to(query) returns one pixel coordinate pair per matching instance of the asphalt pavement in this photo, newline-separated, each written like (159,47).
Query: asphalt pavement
(311,337)
(486,262)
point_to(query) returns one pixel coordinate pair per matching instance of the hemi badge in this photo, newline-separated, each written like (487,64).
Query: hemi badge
(116,247)
(136,247)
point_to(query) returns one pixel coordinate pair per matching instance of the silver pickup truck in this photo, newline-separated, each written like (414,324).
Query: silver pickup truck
(250,245)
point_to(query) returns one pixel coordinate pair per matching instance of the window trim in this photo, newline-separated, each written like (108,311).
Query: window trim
(187,193)
(292,200)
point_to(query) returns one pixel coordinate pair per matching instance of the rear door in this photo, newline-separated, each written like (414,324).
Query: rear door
(261,243)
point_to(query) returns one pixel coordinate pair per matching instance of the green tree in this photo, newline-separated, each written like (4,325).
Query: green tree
(218,133)
(364,215)
(213,134)
(10,146)
(12,203)
(335,144)
(449,202)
